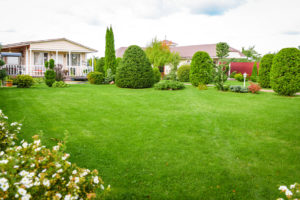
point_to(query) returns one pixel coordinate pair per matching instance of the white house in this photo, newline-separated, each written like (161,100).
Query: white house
(30,57)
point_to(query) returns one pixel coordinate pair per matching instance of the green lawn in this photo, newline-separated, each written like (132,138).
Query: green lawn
(151,144)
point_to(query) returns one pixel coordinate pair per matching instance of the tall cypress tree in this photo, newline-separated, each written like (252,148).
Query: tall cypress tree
(110,54)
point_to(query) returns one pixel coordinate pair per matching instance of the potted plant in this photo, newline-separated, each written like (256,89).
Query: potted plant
(9,83)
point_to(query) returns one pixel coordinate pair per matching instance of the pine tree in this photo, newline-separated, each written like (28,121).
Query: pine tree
(110,54)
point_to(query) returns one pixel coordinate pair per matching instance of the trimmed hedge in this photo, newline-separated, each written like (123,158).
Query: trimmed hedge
(201,68)
(285,72)
(264,70)
(95,78)
(183,73)
(169,85)
(135,70)
(24,81)
(157,74)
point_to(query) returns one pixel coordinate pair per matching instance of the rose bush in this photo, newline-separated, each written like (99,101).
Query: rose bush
(32,171)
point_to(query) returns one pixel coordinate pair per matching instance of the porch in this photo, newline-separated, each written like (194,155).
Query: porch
(30,57)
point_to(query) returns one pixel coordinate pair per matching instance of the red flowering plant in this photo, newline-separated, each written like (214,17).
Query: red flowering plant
(254,88)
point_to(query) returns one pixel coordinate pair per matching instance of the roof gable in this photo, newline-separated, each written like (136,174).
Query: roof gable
(61,44)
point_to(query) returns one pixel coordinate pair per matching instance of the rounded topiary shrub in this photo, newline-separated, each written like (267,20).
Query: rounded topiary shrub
(95,78)
(264,70)
(135,70)
(285,72)
(183,73)
(50,77)
(201,68)
(157,74)
(24,81)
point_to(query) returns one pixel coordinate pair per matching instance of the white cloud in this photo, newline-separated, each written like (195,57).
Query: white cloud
(269,25)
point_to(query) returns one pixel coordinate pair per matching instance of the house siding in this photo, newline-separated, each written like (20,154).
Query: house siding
(59,45)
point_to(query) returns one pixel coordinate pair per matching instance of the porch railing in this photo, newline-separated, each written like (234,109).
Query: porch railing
(14,70)
(39,70)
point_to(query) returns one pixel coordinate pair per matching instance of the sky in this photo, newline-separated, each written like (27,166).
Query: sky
(268,24)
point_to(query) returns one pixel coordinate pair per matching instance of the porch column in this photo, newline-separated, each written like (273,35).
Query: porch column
(26,64)
(229,69)
(30,62)
(93,63)
(56,59)
(70,64)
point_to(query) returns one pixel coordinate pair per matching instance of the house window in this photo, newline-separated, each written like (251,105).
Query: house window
(12,60)
(40,58)
(75,59)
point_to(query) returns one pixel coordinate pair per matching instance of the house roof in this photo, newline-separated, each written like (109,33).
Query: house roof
(21,44)
(187,52)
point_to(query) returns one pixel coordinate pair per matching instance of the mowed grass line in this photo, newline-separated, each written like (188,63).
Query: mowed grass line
(151,144)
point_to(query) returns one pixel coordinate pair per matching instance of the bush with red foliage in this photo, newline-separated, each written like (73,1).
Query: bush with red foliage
(254,88)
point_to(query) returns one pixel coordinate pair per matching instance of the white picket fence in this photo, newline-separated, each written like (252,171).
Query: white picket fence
(39,70)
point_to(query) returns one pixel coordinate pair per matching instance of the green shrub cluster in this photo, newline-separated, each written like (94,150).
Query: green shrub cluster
(264,70)
(233,74)
(110,77)
(24,81)
(202,86)
(135,70)
(169,85)
(240,77)
(38,80)
(95,78)
(157,74)
(201,68)
(59,84)
(285,72)
(238,88)
(183,73)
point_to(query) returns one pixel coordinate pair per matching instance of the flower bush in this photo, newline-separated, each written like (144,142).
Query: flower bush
(254,88)
(32,171)
(290,193)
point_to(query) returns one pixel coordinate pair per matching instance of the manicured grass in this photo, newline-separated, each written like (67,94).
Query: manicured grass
(186,144)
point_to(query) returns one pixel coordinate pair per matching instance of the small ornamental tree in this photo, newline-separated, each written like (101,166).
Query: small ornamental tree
(264,70)
(254,72)
(201,68)
(50,74)
(285,72)
(220,72)
(183,73)
(135,70)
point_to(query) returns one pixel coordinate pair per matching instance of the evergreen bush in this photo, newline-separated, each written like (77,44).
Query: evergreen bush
(100,63)
(285,72)
(183,73)
(157,74)
(135,70)
(50,77)
(95,78)
(24,81)
(254,73)
(264,70)
(201,68)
